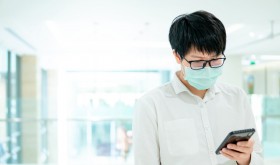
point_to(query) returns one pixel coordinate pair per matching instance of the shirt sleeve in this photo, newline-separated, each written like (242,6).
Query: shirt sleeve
(256,156)
(145,137)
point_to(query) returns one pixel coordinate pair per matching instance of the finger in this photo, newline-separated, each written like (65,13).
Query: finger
(240,148)
(248,143)
(226,155)
(233,154)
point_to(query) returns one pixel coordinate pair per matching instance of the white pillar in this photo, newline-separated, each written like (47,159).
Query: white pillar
(30,109)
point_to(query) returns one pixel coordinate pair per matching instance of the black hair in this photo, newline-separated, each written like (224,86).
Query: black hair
(200,30)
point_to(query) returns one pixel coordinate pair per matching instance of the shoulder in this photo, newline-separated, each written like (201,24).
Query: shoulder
(147,103)
(153,95)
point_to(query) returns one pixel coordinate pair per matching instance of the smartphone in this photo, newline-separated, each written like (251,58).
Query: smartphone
(236,136)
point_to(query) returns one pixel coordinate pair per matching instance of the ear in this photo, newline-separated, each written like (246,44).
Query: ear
(177,56)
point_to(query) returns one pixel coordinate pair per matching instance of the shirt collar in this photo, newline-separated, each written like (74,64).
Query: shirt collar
(179,87)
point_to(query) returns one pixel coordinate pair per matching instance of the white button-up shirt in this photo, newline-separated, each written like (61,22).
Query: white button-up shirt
(172,126)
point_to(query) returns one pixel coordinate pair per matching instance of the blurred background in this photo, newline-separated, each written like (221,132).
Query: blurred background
(70,72)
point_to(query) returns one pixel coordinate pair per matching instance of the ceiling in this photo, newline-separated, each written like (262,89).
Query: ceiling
(124,33)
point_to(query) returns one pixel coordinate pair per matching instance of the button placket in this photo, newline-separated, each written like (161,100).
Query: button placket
(208,133)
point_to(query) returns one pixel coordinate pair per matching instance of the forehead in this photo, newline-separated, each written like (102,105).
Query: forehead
(193,52)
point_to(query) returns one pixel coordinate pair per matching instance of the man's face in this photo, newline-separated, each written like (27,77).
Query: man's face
(195,55)
(197,58)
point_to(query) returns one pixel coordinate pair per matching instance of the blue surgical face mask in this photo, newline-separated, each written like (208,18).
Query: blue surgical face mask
(202,79)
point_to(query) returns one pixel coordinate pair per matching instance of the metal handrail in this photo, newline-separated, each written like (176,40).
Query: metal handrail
(92,119)
(270,116)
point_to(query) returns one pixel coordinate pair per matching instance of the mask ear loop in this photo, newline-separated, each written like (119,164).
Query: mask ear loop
(182,69)
(182,65)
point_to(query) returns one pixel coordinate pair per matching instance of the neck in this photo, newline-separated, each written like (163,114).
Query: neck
(193,90)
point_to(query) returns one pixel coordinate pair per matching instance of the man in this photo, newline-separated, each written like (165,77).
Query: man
(185,120)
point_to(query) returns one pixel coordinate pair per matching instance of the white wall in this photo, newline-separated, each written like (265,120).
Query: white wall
(232,72)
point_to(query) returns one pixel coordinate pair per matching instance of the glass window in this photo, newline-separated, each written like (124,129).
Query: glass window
(3,106)
(100,121)
(3,83)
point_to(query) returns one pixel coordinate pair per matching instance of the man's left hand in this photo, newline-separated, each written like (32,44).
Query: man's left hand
(240,152)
